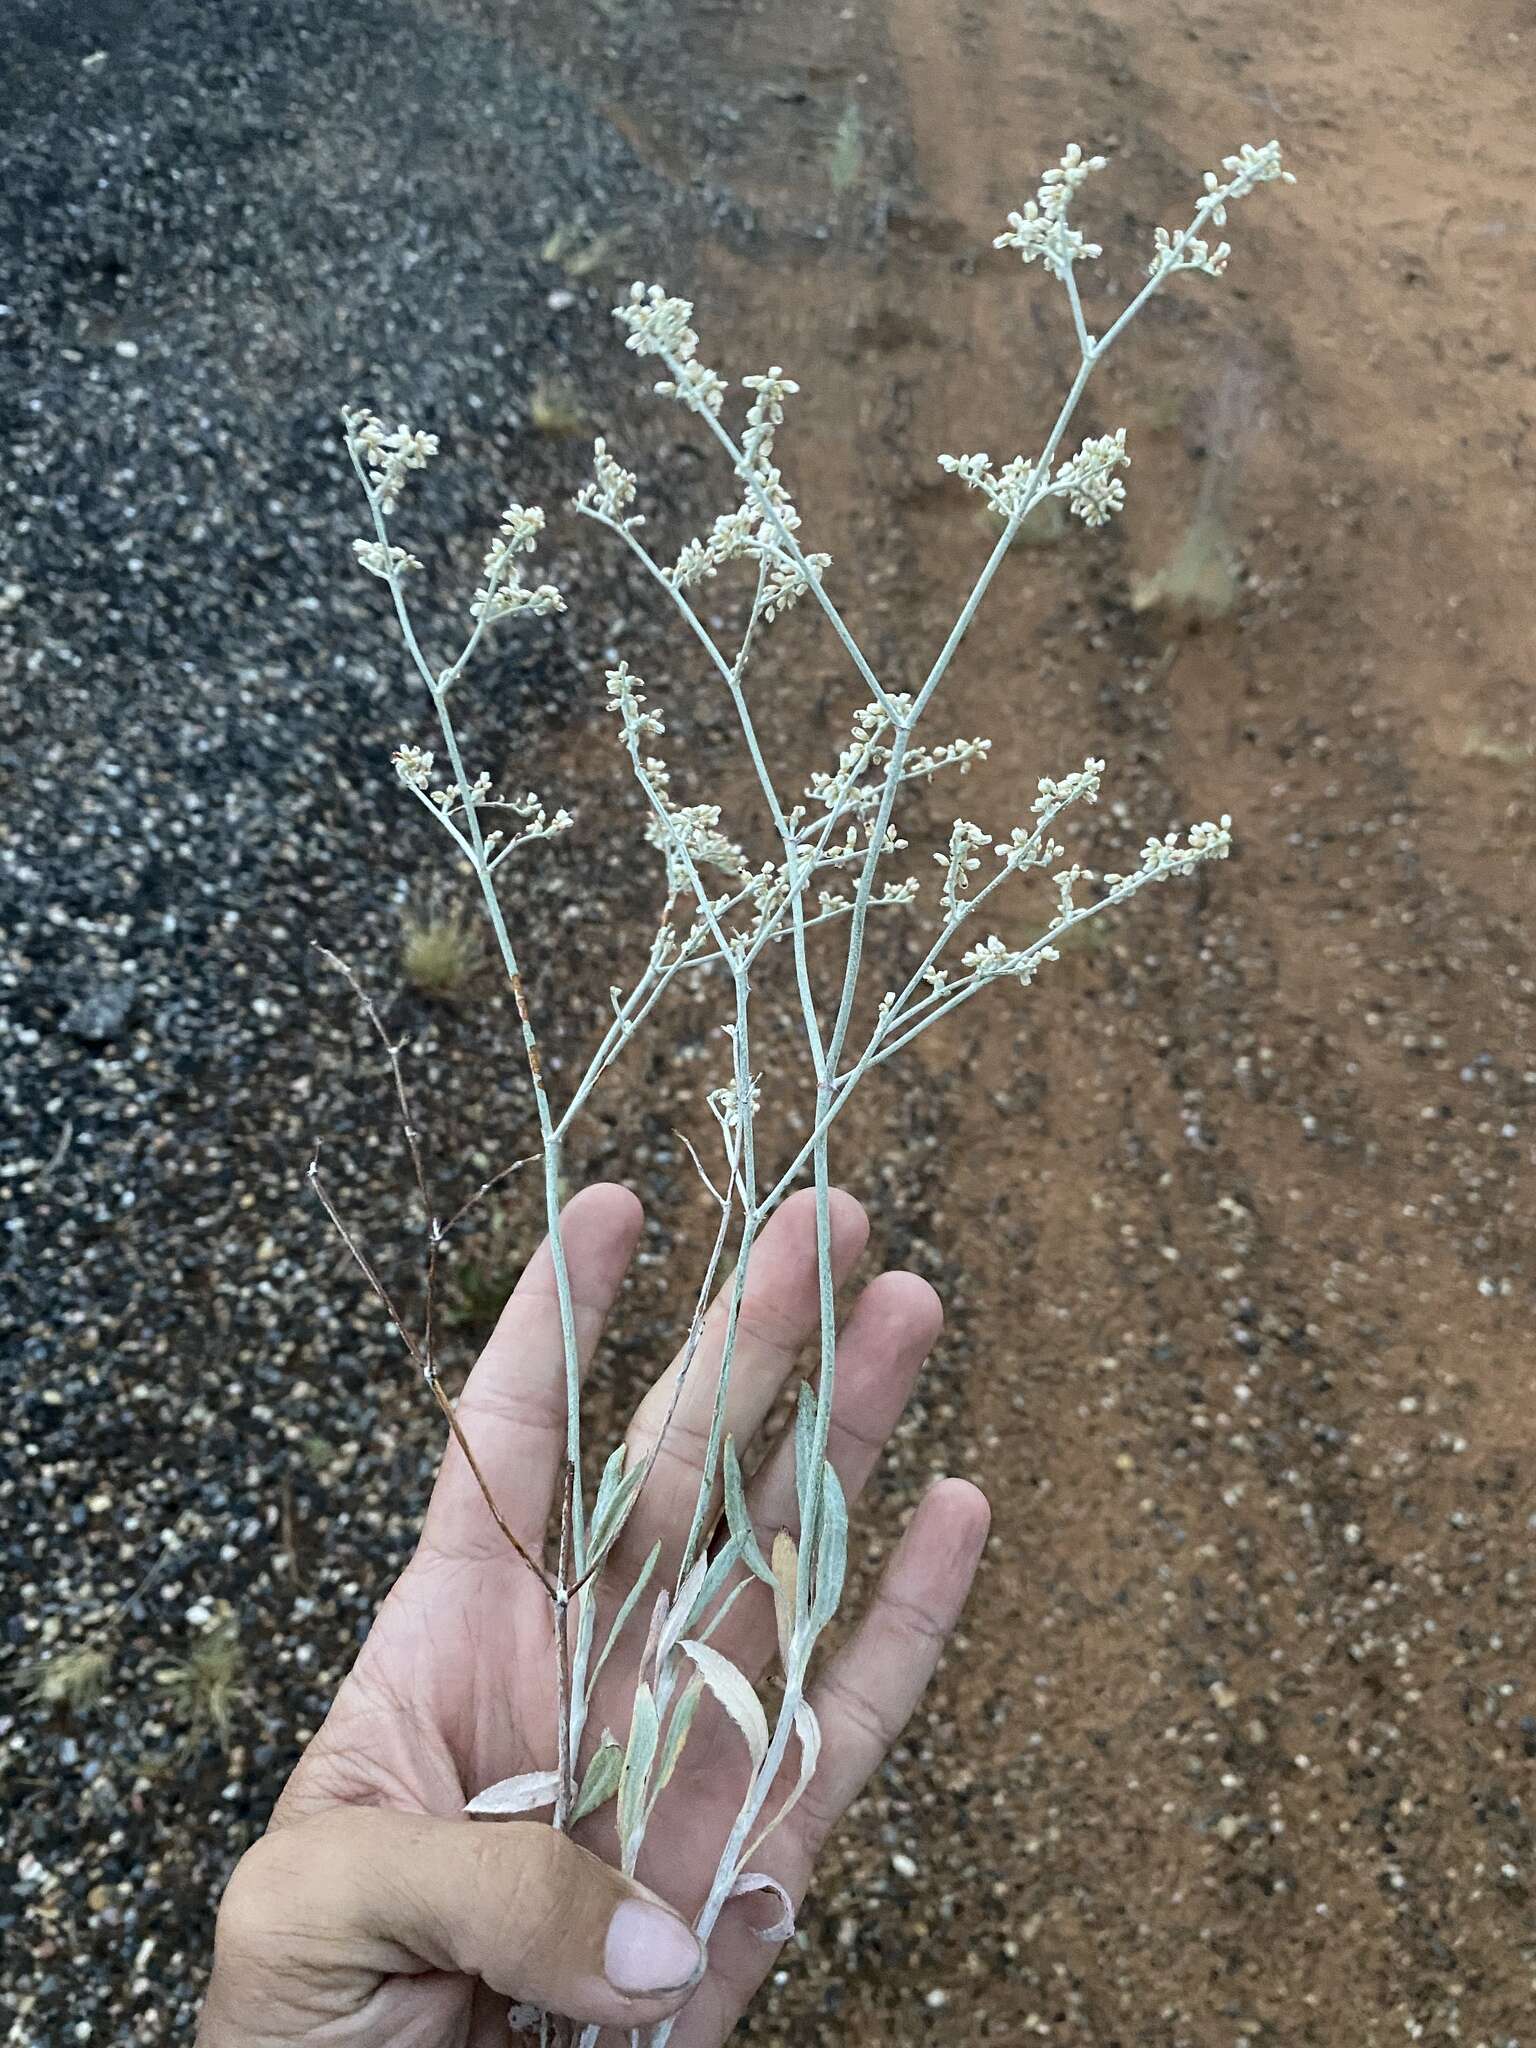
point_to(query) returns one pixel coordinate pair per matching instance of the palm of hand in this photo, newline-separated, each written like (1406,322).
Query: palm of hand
(456,1686)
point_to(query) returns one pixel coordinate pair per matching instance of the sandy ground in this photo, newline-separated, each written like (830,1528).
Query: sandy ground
(1232,1215)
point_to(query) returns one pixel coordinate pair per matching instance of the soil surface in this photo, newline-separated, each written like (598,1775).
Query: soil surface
(1231,1212)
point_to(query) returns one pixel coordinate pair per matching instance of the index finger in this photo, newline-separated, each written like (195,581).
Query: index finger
(513,1407)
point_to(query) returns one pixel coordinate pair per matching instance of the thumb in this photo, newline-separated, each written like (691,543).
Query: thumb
(318,1913)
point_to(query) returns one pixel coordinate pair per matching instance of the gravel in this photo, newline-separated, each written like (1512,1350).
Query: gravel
(227,219)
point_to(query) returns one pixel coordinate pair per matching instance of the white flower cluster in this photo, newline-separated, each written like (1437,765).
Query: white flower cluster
(1082,786)
(627,692)
(388,454)
(766,412)
(1041,230)
(1167,856)
(1187,250)
(502,591)
(688,835)
(658,325)
(696,386)
(537,823)
(1010,491)
(960,860)
(414,767)
(992,960)
(613,492)
(787,582)
(755,530)
(380,559)
(844,790)
(1088,480)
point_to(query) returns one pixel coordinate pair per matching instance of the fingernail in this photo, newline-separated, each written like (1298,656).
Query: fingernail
(650,1950)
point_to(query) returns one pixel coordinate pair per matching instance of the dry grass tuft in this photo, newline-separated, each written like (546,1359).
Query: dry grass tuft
(442,953)
(208,1686)
(1200,582)
(555,408)
(73,1679)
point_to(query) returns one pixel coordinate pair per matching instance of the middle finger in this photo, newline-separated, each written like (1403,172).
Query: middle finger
(780,1310)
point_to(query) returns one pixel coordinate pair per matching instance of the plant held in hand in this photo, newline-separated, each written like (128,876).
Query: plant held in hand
(663,1623)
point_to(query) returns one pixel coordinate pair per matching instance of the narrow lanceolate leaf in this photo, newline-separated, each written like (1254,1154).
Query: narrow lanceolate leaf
(735,1694)
(601,1781)
(786,1577)
(676,1735)
(831,1547)
(634,1774)
(758,1881)
(808,1730)
(654,1634)
(608,1524)
(607,1486)
(695,1596)
(524,1794)
(626,1610)
(682,1611)
(738,1520)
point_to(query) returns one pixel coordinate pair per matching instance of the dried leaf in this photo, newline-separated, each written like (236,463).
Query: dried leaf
(786,1578)
(524,1794)
(601,1781)
(735,1694)
(759,1881)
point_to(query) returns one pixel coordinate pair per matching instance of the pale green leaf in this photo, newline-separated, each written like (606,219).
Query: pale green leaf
(601,1781)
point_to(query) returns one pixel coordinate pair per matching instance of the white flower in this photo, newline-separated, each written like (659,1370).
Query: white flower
(1188,252)
(787,583)
(379,559)
(1058,184)
(501,600)
(700,389)
(972,470)
(1255,166)
(388,454)
(628,693)
(658,326)
(614,490)
(1035,233)
(521,526)
(413,765)
(1088,480)
(771,390)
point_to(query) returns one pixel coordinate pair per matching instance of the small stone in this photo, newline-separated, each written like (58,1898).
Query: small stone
(97,1018)
(903,1865)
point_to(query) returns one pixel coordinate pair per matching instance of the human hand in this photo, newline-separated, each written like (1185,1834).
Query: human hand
(373,1914)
